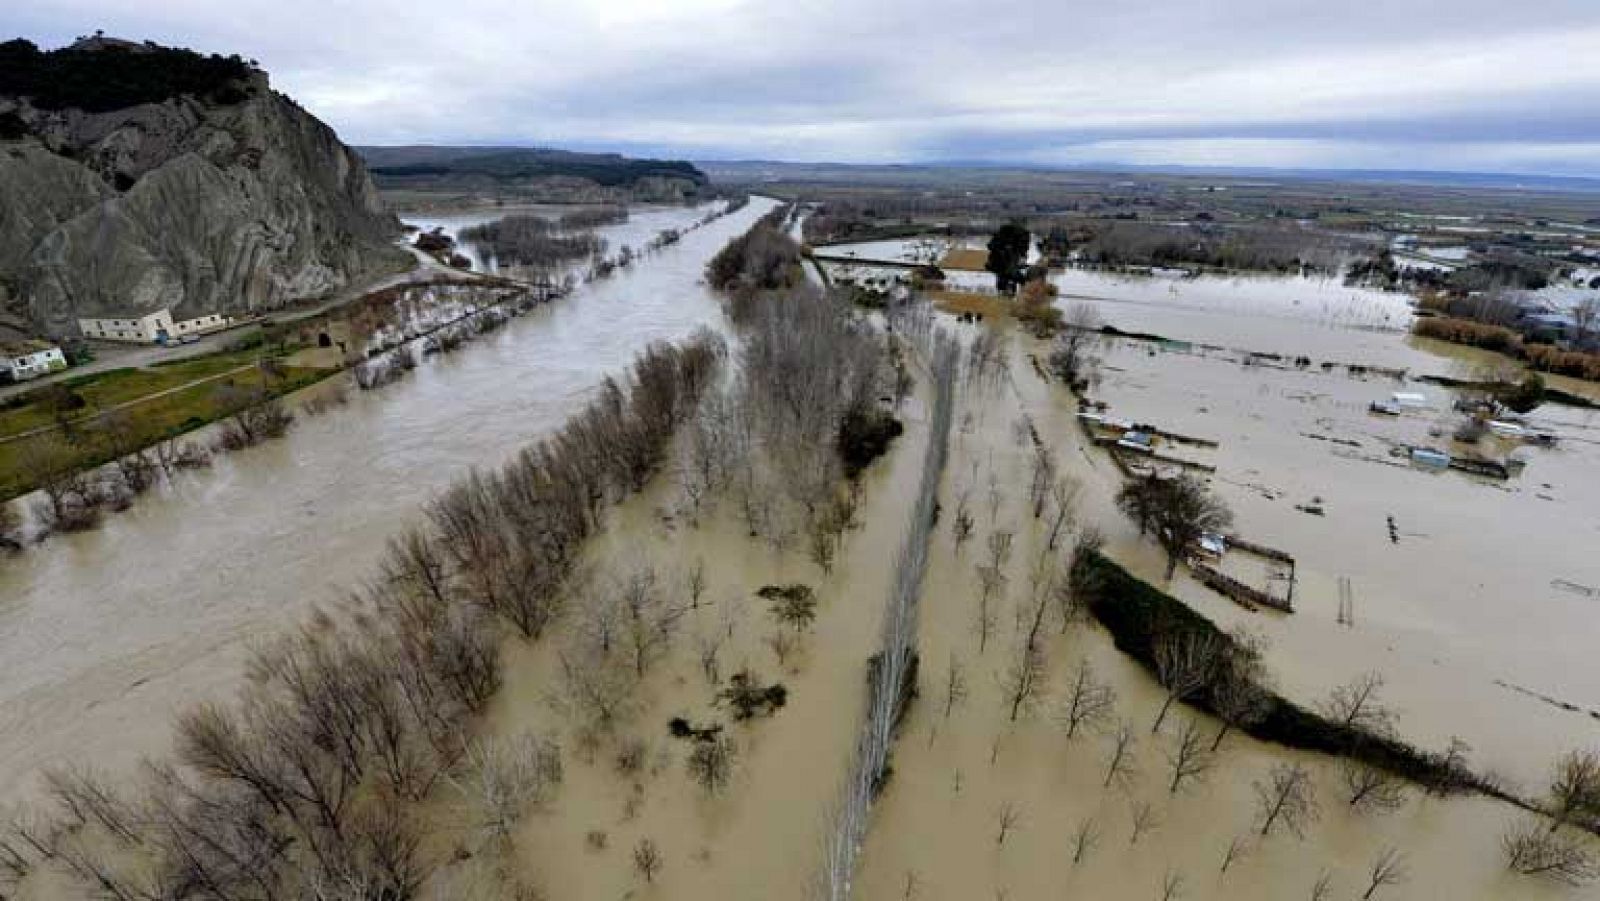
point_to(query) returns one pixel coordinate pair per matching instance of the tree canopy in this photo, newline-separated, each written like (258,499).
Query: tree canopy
(111,75)
(1008,256)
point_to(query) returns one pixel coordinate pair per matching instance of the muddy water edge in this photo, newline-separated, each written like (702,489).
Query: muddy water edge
(984,806)
(105,635)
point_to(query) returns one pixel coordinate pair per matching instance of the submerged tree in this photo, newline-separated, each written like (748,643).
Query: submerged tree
(1286,797)
(1356,706)
(1238,691)
(1186,662)
(711,764)
(1388,868)
(1008,256)
(1120,767)
(1089,702)
(1533,850)
(1188,759)
(1370,788)
(1178,511)
(1575,788)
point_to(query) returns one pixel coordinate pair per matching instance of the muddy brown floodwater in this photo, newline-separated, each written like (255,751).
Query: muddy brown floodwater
(981,806)
(105,635)
(1483,607)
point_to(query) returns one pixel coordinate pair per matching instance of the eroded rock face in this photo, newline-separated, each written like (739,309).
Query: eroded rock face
(196,206)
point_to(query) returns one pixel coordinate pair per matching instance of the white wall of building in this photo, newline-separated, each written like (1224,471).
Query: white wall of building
(32,362)
(149,329)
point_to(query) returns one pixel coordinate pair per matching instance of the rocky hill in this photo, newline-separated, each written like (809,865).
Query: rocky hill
(135,177)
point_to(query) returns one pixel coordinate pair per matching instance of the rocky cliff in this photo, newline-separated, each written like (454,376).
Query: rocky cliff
(230,200)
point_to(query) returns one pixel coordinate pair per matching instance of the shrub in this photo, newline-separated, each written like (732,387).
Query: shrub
(749,698)
(864,436)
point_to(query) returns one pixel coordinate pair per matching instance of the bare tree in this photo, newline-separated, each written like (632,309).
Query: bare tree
(1172,886)
(1575,788)
(1185,662)
(647,859)
(1064,493)
(955,685)
(1532,850)
(961,523)
(1044,475)
(1585,315)
(711,764)
(1188,759)
(990,583)
(1084,839)
(1006,820)
(1388,868)
(1371,788)
(1356,706)
(697,583)
(252,416)
(87,799)
(1089,703)
(1239,693)
(1322,889)
(1026,674)
(710,649)
(1072,357)
(1120,766)
(1144,820)
(999,546)
(501,780)
(649,621)
(1286,797)
(1236,851)
(595,687)
(1073,592)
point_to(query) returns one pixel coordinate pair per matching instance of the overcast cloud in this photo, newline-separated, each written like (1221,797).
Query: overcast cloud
(1479,85)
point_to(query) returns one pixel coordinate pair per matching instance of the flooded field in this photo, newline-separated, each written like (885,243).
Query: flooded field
(104,635)
(1479,608)
(1292,316)
(644,222)
(986,805)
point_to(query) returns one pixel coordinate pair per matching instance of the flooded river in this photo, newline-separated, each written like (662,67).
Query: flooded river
(105,635)
(642,224)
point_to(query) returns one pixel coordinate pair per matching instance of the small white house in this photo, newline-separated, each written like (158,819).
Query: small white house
(152,328)
(30,359)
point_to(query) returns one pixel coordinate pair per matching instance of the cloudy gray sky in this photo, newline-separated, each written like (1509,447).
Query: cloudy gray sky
(1475,85)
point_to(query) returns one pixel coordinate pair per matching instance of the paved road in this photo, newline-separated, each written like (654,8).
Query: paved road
(110,356)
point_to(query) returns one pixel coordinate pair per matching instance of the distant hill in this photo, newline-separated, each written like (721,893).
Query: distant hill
(920,174)
(135,177)
(532,171)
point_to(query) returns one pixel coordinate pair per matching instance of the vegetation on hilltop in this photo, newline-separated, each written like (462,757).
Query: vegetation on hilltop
(393,168)
(102,75)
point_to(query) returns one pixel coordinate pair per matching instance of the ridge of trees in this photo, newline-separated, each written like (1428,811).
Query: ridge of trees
(1141,619)
(112,76)
(607,170)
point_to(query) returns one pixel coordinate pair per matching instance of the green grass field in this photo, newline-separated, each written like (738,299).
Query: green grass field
(152,421)
(104,390)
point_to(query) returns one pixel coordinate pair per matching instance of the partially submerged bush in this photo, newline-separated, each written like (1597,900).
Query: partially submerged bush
(749,698)
(865,435)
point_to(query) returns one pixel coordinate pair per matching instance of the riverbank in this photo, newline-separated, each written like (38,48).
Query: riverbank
(267,534)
